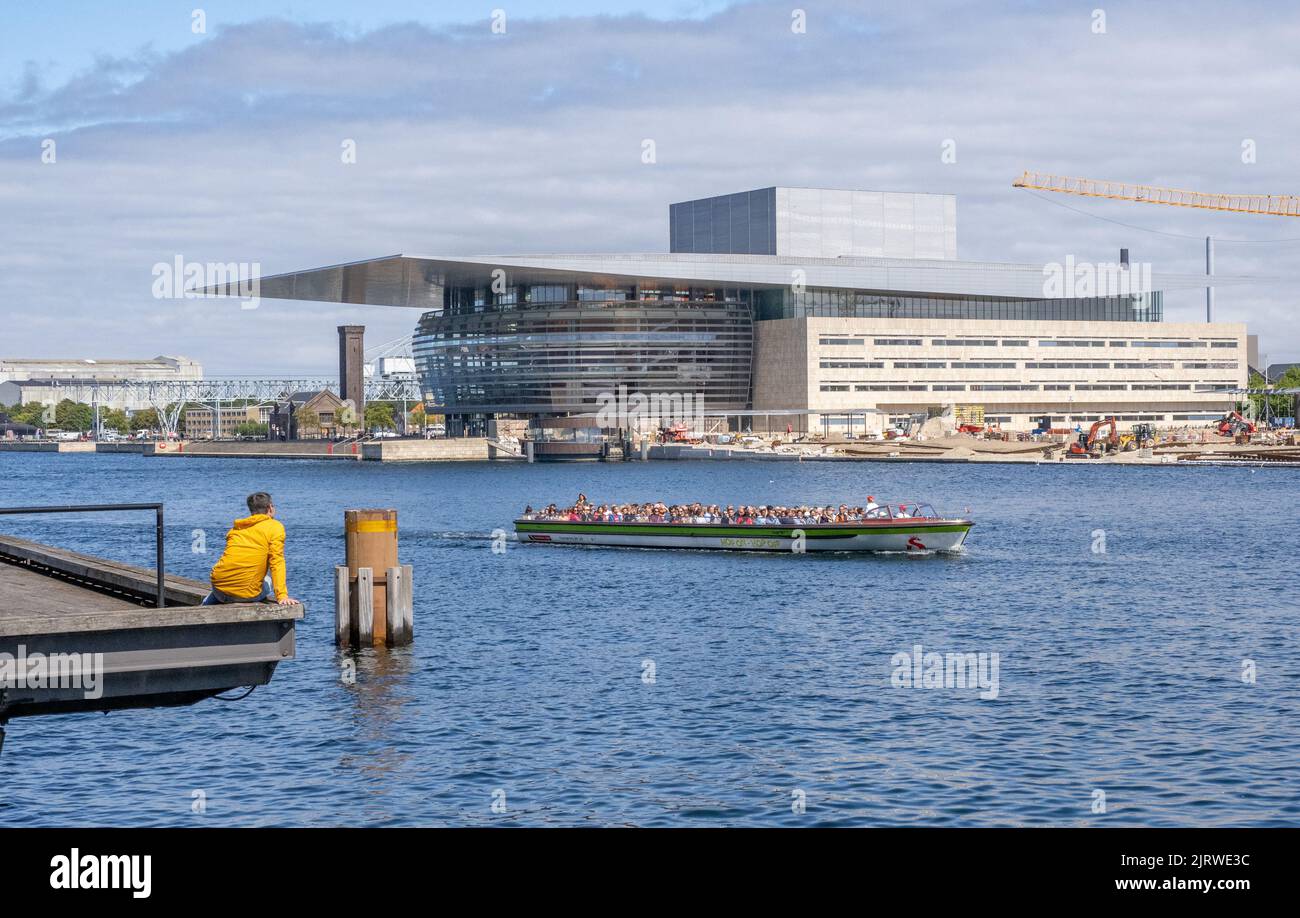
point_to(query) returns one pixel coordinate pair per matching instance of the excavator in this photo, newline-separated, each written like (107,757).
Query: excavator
(1092,444)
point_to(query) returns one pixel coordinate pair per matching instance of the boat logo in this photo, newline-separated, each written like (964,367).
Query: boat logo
(915,544)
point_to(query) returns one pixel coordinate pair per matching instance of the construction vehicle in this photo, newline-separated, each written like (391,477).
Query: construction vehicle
(1234,424)
(677,433)
(907,426)
(1142,436)
(1093,445)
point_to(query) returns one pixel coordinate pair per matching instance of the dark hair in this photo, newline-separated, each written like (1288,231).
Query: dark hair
(259,502)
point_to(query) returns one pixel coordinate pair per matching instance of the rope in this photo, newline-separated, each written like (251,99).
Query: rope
(236,697)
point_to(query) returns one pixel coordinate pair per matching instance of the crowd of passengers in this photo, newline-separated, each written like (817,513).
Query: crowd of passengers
(583,511)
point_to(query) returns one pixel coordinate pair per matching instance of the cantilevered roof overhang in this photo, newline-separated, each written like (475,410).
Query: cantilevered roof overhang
(416,281)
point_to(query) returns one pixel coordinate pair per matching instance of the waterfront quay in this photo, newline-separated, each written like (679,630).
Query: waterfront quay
(1198,447)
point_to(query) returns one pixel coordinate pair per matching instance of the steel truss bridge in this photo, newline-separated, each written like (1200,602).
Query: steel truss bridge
(170,397)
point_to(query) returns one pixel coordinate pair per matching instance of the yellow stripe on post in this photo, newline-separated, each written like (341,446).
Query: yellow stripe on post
(371,525)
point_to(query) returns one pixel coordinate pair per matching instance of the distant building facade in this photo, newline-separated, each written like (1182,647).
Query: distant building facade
(160,368)
(202,422)
(312,416)
(106,382)
(817,223)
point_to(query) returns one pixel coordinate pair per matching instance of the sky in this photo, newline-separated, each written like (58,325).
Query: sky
(129,138)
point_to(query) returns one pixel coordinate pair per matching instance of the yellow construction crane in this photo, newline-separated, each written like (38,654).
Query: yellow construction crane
(1279,205)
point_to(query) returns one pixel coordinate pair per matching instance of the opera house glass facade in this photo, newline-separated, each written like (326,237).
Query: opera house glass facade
(549,349)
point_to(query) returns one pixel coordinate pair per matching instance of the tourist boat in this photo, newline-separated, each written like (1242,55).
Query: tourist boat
(895,528)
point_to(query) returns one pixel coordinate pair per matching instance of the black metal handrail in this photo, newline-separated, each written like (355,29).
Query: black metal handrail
(110,508)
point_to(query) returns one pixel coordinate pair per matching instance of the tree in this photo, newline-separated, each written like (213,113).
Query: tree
(418,418)
(32,413)
(1278,405)
(146,419)
(72,415)
(115,419)
(379,415)
(307,421)
(252,429)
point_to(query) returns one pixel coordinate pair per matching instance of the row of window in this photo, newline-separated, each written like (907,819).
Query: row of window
(879,304)
(828,341)
(1084,418)
(1029,365)
(1022,387)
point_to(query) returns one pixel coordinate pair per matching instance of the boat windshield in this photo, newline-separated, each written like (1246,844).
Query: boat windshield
(915,510)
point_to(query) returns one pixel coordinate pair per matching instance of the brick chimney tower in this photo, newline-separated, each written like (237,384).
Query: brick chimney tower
(352,374)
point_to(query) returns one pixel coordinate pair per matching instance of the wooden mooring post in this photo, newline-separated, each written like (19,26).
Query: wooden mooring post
(354,608)
(373,593)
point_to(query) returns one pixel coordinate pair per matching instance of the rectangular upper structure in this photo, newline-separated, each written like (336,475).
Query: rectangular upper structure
(817,223)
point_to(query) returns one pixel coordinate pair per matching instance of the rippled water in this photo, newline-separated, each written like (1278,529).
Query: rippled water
(1119,672)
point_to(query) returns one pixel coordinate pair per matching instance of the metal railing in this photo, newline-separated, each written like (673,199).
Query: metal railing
(161,599)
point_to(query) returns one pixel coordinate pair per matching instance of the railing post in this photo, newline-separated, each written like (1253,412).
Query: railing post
(161,570)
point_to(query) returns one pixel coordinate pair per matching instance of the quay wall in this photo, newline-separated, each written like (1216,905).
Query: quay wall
(463,449)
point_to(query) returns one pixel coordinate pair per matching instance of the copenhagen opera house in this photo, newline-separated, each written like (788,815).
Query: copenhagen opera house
(831,309)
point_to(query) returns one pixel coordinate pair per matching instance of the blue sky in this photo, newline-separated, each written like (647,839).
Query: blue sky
(225,146)
(63,37)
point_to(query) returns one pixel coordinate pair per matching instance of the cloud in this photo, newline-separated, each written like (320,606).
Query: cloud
(469,142)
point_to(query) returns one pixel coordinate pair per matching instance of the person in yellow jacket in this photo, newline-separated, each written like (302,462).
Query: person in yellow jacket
(251,568)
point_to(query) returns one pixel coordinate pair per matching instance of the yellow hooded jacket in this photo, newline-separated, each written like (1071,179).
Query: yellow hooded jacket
(253,547)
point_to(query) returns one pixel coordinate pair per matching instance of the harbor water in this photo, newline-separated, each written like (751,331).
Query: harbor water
(1144,621)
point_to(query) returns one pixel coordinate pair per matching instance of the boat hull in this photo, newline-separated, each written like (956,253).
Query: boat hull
(914,536)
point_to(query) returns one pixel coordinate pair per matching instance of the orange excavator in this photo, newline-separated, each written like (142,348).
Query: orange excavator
(1093,444)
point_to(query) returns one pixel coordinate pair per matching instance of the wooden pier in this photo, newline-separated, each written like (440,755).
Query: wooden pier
(60,605)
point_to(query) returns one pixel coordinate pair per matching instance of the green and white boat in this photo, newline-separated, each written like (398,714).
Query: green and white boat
(886,529)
